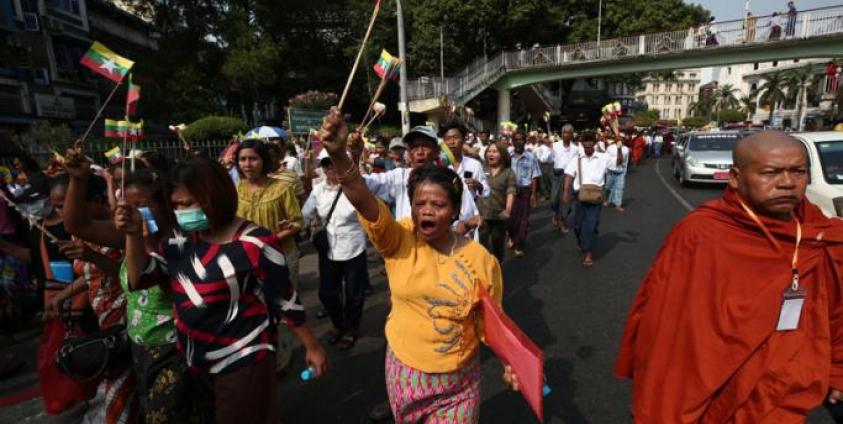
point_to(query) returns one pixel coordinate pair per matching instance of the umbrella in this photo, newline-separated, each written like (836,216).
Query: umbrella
(265,132)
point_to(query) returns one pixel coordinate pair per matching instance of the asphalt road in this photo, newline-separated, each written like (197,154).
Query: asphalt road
(576,315)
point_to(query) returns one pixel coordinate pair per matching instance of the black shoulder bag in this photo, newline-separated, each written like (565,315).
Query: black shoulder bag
(320,236)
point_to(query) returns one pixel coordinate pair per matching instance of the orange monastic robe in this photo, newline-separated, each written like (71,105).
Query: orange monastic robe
(701,344)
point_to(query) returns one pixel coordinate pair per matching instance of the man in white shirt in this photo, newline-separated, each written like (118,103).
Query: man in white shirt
(391,186)
(544,154)
(618,156)
(468,168)
(588,168)
(563,152)
(658,141)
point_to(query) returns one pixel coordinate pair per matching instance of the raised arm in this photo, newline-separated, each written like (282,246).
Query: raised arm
(77,220)
(334,135)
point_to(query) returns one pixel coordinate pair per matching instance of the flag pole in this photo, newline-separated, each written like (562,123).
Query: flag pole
(359,54)
(99,112)
(32,221)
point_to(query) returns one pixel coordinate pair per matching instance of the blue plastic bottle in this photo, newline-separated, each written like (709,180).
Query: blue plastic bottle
(307,374)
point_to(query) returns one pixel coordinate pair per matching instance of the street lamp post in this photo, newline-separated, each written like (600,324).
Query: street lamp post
(402,82)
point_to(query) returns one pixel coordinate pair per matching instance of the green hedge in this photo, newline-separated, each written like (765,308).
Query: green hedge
(214,128)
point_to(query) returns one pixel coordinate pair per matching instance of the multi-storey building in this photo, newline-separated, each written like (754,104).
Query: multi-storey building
(672,98)
(41,43)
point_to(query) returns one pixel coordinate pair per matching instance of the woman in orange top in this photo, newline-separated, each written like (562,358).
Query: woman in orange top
(432,361)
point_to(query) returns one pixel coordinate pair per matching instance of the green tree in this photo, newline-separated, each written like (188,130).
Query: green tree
(725,97)
(646,118)
(731,115)
(703,107)
(772,91)
(748,106)
(694,122)
(801,84)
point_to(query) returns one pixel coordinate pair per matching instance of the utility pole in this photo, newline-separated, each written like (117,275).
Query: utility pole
(402,79)
(599,21)
(442,54)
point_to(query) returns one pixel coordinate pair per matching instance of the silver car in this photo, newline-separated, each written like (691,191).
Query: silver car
(704,157)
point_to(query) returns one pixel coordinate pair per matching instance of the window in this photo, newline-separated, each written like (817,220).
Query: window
(729,70)
(755,66)
(655,100)
(677,113)
(693,76)
(69,6)
(656,88)
(668,88)
(795,60)
(775,63)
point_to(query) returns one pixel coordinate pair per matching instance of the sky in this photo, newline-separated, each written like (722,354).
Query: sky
(725,10)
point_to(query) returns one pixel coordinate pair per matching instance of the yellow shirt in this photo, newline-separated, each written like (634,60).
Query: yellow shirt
(432,326)
(268,206)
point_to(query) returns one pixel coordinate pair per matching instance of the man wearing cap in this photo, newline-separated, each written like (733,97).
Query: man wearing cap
(469,169)
(391,186)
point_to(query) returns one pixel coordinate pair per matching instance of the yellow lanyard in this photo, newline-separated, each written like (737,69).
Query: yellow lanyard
(793,267)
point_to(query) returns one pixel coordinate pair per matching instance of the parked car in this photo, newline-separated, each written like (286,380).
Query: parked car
(704,157)
(825,160)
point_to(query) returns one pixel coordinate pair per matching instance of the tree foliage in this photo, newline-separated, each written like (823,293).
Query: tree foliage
(245,56)
(694,122)
(646,118)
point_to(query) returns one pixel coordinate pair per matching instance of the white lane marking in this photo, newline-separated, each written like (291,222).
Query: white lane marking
(672,191)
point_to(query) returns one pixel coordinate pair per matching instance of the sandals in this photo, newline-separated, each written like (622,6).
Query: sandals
(588,263)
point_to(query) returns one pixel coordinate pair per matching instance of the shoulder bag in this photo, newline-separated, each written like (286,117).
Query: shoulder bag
(590,194)
(320,236)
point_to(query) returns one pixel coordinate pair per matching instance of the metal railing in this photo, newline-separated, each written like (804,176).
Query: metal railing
(756,30)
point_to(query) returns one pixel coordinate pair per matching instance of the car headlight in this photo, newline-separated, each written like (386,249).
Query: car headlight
(691,161)
(838,205)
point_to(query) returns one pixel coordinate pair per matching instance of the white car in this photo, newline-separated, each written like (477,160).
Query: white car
(825,159)
(704,157)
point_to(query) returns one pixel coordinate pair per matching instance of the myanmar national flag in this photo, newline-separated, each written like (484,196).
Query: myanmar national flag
(107,63)
(115,129)
(446,157)
(387,66)
(132,97)
(114,155)
(135,131)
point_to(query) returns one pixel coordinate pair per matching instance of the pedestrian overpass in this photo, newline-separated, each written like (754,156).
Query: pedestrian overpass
(817,33)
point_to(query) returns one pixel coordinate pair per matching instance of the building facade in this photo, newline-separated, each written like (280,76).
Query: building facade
(672,98)
(41,43)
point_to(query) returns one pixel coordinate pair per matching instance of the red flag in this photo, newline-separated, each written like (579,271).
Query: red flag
(132,97)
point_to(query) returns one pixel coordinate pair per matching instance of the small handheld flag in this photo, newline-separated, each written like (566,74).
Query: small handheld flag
(107,63)
(387,65)
(114,155)
(132,97)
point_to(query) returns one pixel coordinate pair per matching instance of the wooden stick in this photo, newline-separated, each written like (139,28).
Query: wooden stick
(32,220)
(375,115)
(359,54)
(372,103)
(99,112)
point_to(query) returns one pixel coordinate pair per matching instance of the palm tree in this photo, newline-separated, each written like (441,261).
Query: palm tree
(748,106)
(724,97)
(797,82)
(703,106)
(773,92)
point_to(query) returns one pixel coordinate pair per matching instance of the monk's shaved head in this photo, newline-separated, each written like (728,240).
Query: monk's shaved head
(757,146)
(770,173)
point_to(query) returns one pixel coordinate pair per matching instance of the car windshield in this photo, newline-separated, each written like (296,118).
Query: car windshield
(831,159)
(715,142)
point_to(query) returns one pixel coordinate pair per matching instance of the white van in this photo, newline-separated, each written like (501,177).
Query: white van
(825,157)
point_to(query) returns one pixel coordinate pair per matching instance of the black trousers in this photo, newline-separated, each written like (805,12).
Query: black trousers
(342,286)
(493,237)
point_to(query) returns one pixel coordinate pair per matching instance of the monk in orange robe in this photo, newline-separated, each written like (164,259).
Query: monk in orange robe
(638,147)
(704,341)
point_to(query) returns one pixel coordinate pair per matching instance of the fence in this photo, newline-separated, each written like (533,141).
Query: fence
(740,32)
(172,149)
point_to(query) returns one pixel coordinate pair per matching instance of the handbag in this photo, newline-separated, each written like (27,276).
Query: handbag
(320,236)
(90,357)
(590,194)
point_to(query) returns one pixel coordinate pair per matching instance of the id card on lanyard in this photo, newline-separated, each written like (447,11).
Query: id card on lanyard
(793,298)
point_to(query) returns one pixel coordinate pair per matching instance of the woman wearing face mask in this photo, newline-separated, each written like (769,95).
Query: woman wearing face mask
(230,288)
(272,204)
(434,279)
(343,273)
(164,388)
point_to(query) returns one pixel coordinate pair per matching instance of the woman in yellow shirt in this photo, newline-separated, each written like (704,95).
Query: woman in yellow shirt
(272,204)
(432,332)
